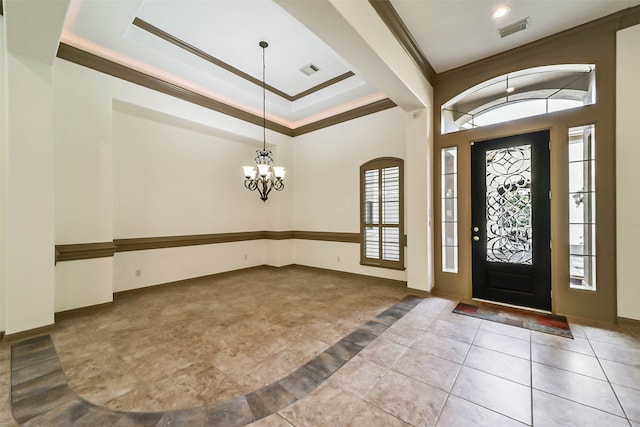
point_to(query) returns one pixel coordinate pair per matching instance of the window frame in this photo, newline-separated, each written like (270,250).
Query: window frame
(380,164)
(453,198)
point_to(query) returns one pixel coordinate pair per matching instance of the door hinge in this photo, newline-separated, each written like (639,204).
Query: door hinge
(549,194)
(550,294)
(550,245)
(549,145)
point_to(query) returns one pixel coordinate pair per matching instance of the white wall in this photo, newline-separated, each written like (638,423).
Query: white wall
(326,188)
(419,200)
(627,172)
(131,162)
(30,197)
(109,159)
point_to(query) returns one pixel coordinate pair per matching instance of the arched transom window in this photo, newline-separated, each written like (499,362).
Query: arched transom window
(520,94)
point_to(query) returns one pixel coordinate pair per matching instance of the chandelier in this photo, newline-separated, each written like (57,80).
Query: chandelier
(264,176)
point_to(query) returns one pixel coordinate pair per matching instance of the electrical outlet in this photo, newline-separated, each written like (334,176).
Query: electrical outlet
(338,259)
(246,257)
(138,272)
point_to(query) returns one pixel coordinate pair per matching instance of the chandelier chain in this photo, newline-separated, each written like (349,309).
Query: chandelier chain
(264,101)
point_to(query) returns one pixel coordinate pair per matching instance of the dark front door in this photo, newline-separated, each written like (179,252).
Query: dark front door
(511,220)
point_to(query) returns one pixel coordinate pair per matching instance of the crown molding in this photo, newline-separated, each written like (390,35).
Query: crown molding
(152,29)
(394,23)
(97,63)
(365,110)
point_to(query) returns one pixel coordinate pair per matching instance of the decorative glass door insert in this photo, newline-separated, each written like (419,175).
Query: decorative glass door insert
(509,229)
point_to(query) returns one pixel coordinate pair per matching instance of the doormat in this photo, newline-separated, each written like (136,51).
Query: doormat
(548,323)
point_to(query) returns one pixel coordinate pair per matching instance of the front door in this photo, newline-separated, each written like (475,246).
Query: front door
(511,228)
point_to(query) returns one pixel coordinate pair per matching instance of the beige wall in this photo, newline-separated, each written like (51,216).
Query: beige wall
(627,172)
(3,187)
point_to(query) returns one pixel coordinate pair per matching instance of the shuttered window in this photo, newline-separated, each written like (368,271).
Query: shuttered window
(382,230)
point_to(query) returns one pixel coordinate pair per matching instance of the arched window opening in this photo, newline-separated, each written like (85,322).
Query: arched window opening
(524,93)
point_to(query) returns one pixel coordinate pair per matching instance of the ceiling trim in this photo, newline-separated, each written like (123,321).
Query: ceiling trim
(394,23)
(97,63)
(321,86)
(365,110)
(152,29)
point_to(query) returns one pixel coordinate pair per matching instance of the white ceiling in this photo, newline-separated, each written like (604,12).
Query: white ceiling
(452,33)
(449,32)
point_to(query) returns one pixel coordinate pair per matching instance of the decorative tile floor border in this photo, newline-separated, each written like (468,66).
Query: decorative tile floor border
(40,394)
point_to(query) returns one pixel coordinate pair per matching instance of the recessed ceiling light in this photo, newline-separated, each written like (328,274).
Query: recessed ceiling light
(510,89)
(501,11)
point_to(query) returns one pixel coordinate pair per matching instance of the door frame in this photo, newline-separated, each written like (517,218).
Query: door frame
(540,270)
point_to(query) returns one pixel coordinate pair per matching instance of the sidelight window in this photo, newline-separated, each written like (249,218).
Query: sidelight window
(449,201)
(582,209)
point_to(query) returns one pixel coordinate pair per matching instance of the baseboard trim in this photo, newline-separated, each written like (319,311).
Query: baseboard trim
(74,312)
(30,333)
(418,292)
(81,311)
(393,282)
(153,288)
(627,322)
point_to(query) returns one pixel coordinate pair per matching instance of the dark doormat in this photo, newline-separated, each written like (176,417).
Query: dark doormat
(548,323)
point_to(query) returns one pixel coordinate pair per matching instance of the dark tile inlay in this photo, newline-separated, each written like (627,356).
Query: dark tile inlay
(32,372)
(36,404)
(268,400)
(40,394)
(360,337)
(26,348)
(33,358)
(232,413)
(301,382)
(324,364)
(395,311)
(99,417)
(64,415)
(408,302)
(184,417)
(139,419)
(344,350)
(38,385)
(375,328)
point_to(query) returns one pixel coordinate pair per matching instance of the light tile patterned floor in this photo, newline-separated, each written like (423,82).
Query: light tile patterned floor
(431,367)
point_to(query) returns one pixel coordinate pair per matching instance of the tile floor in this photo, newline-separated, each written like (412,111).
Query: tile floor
(233,349)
